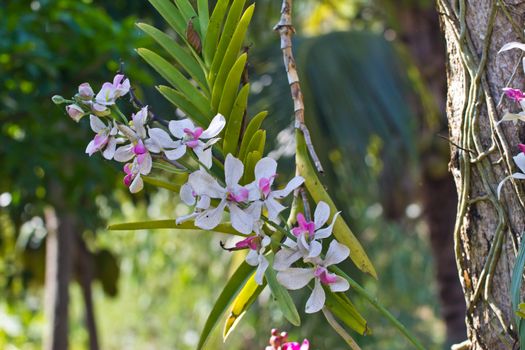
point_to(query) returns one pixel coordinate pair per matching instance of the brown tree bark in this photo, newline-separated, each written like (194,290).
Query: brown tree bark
(487,230)
(59,243)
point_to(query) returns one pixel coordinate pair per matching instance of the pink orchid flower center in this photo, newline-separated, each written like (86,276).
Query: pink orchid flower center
(521,146)
(265,185)
(238,196)
(193,136)
(514,94)
(324,276)
(252,242)
(139,148)
(307,227)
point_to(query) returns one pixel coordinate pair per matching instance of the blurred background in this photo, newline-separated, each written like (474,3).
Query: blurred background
(374,81)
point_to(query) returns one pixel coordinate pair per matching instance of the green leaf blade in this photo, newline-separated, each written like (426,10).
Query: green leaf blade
(211,38)
(254,125)
(224,102)
(234,122)
(179,100)
(282,296)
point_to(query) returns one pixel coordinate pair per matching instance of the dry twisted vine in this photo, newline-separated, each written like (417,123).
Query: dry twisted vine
(286,30)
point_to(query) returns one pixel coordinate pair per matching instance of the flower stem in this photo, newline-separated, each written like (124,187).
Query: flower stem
(382,310)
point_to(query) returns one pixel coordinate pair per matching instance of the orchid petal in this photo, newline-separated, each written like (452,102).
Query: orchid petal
(315,249)
(204,202)
(321,215)
(261,269)
(136,185)
(96,124)
(124,153)
(520,161)
(109,152)
(336,253)
(210,218)
(252,258)
(176,153)
(162,138)
(91,148)
(292,185)
(327,231)
(295,278)
(274,208)
(216,125)
(285,257)
(233,169)
(316,300)
(185,218)
(186,194)
(240,220)
(147,163)
(204,156)
(340,285)
(177,127)
(265,168)
(512,45)
(205,184)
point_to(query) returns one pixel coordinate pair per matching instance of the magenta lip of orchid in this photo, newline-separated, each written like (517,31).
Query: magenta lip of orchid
(304,226)
(521,146)
(514,94)
(324,275)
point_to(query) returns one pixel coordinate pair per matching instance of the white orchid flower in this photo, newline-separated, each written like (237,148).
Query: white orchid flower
(231,196)
(190,198)
(104,139)
(257,245)
(261,188)
(309,234)
(195,137)
(297,278)
(520,162)
(109,92)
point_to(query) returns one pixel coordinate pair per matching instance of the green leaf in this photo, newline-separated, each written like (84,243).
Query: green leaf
(224,102)
(169,168)
(232,21)
(341,230)
(228,60)
(249,166)
(179,54)
(234,122)
(170,224)
(241,304)
(175,78)
(283,298)
(225,299)
(171,14)
(515,290)
(257,142)
(187,10)
(179,100)
(250,131)
(341,306)
(214,28)
(204,16)
(161,183)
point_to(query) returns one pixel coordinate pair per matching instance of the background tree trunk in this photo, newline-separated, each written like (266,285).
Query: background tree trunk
(487,231)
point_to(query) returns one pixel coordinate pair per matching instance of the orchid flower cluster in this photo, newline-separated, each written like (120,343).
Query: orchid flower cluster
(518,97)
(279,341)
(255,208)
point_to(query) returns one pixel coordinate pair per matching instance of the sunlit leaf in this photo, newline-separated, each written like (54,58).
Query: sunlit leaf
(234,123)
(250,131)
(341,306)
(169,224)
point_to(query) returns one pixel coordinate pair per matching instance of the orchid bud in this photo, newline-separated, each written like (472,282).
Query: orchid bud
(58,100)
(85,91)
(75,112)
(100,110)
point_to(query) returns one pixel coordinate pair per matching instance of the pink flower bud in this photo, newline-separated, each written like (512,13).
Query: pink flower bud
(75,112)
(85,91)
(514,94)
(521,146)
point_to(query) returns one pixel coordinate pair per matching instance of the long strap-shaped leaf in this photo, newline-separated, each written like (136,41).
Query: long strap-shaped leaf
(251,129)
(234,284)
(179,54)
(234,124)
(344,309)
(341,230)
(281,295)
(170,224)
(251,160)
(204,16)
(187,11)
(171,14)
(515,290)
(232,21)
(179,100)
(175,78)
(161,183)
(224,102)
(229,58)
(241,304)
(211,38)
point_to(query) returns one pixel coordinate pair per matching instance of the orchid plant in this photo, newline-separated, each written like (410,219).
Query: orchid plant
(222,172)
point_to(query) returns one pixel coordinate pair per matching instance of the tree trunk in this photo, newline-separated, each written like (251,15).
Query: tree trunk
(487,231)
(59,242)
